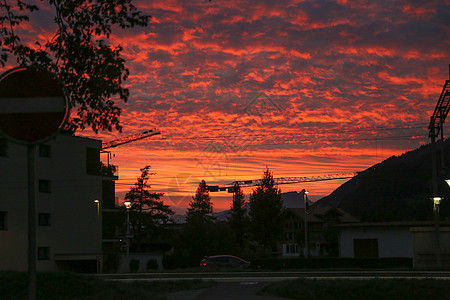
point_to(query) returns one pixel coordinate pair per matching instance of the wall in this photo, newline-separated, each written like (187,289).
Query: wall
(392,242)
(143,258)
(424,247)
(75,219)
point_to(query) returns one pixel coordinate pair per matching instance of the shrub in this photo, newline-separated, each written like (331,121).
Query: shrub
(152,264)
(134,265)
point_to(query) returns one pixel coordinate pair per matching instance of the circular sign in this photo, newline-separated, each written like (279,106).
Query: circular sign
(33,105)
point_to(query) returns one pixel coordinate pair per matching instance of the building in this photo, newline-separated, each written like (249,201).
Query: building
(321,231)
(415,240)
(71,188)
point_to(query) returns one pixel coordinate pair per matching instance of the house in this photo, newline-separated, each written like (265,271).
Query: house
(320,226)
(415,240)
(72,186)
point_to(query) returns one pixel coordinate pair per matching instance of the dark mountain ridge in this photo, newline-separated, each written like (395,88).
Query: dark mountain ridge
(397,189)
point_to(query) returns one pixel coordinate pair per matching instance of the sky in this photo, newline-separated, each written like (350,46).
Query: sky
(304,88)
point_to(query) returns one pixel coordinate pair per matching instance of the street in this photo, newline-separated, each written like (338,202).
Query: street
(246,285)
(268,276)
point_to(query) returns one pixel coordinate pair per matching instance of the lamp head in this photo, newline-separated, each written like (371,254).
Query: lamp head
(127,204)
(437,200)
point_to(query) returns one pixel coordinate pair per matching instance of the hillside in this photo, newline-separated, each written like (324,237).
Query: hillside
(397,189)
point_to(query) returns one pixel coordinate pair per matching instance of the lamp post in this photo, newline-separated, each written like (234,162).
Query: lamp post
(305,192)
(128,206)
(97,202)
(99,233)
(437,241)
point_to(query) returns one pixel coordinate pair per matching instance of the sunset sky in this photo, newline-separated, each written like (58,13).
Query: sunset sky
(302,87)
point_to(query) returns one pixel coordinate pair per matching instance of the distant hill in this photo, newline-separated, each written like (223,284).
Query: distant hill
(397,189)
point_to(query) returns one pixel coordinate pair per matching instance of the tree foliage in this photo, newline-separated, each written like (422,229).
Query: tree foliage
(266,211)
(238,219)
(79,53)
(147,209)
(197,235)
(200,206)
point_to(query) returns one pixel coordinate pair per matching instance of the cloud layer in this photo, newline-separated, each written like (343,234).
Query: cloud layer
(303,87)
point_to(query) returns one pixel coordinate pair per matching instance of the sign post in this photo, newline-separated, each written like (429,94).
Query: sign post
(33,108)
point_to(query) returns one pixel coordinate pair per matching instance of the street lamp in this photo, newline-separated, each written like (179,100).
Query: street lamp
(97,202)
(448,182)
(305,192)
(128,206)
(436,201)
(437,241)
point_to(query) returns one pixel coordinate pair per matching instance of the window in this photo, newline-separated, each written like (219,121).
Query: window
(43,253)
(45,150)
(365,248)
(92,161)
(289,235)
(291,248)
(3,220)
(3,147)
(44,186)
(44,219)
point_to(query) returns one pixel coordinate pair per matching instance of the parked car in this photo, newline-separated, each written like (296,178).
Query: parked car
(217,261)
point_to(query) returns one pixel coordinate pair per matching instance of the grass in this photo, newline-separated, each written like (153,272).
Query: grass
(69,286)
(386,289)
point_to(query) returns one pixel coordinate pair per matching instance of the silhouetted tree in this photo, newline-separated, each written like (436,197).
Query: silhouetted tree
(79,53)
(200,206)
(266,210)
(148,211)
(238,219)
(197,235)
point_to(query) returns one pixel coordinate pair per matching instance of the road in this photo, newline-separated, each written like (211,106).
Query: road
(267,276)
(246,285)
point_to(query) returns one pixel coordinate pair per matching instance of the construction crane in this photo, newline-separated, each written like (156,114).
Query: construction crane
(280,180)
(131,138)
(436,126)
(441,110)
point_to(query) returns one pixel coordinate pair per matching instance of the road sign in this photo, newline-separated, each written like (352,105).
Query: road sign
(33,105)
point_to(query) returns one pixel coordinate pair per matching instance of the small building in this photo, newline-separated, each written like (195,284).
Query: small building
(71,187)
(320,224)
(415,240)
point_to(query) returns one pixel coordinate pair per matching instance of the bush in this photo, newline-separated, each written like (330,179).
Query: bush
(152,264)
(111,259)
(134,265)
(179,261)
(329,262)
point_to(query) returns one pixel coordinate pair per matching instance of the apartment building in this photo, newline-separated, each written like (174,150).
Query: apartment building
(72,185)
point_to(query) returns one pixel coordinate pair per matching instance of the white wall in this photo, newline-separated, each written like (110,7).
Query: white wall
(392,242)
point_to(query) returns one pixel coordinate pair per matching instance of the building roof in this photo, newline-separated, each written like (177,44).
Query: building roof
(394,224)
(318,214)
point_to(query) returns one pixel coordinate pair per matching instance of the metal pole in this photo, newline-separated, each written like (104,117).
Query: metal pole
(128,231)
(442,147)
(31,160)
(306,226)
(437,243)
(437,232)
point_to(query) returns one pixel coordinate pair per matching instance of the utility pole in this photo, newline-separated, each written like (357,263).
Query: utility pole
(306,224)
